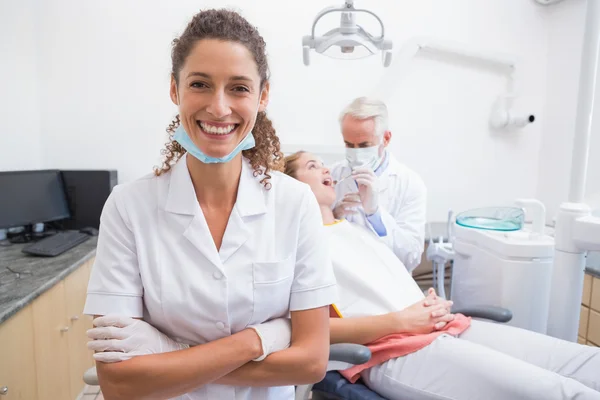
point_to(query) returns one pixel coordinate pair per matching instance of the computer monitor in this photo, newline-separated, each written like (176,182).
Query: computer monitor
(31,197)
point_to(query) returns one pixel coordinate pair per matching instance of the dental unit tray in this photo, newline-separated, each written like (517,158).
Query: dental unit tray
(504,219)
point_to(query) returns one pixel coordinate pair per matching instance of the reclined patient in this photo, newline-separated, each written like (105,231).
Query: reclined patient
(420,350)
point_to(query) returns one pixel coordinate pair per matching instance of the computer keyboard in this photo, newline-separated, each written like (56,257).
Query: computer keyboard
(56,244)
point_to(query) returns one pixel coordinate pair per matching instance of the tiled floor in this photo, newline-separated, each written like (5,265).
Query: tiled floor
(97,396)
(91,393)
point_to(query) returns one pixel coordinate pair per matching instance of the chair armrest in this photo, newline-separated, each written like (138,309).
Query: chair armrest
(349,353)
(341,356)
(90,377)
(493,313)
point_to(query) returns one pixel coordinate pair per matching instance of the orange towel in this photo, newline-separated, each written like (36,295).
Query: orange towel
(401,344)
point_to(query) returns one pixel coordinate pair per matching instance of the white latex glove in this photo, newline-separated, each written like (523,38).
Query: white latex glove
(275,335)
(120,338)
(367,189)
(347,205)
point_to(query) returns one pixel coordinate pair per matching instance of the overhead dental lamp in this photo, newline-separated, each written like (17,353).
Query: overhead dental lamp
(547,2)
(349,41)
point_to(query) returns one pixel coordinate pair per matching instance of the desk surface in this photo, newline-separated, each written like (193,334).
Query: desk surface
(23,278)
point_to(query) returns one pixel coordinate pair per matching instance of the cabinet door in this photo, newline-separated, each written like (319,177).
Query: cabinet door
(80,358)
(50,325)
(17,361)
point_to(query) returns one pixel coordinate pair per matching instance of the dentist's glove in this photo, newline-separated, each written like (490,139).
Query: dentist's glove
(275,335)
(347,205)
(120,338)
(367,189)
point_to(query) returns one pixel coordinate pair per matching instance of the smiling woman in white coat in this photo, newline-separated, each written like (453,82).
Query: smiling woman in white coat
(216,246)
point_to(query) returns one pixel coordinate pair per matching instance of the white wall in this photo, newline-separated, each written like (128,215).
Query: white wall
(103,74)
(441,107)
(19,112)
(104,88)
(566,23)
(104,83)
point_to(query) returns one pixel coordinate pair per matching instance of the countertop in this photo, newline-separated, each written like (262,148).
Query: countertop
(593,264)
(23,278)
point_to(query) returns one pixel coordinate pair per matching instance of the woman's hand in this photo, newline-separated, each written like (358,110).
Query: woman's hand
(428,315)
(275,335)
(433,299)
(117,338)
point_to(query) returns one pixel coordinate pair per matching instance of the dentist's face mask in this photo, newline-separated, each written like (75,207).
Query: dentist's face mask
(186,142)
(363,157)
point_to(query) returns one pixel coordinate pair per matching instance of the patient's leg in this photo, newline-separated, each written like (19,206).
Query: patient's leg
(565,358)
(455,369)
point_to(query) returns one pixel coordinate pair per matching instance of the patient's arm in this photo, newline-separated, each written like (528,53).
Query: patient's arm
(425,316)
(361,330)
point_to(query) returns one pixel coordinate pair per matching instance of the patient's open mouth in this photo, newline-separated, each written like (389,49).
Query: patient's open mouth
(328,182)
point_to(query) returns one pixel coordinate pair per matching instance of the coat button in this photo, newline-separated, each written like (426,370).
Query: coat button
(217,275)
(220,325)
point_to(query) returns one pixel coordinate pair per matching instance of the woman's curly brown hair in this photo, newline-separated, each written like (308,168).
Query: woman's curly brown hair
(227,25)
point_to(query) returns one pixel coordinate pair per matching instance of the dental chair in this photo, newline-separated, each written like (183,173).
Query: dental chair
(343,355)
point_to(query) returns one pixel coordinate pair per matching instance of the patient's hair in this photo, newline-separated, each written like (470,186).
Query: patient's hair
(365,108)
(290,163)
(228,26)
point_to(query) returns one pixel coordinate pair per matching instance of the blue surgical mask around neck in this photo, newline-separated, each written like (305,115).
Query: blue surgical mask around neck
(186,142)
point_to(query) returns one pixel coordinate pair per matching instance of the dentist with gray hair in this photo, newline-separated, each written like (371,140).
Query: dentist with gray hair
(375,190)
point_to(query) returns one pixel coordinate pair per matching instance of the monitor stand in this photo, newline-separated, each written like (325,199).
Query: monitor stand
(24,236)
(27,235)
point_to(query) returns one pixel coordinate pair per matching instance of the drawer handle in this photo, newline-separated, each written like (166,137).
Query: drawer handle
(64,329)
(75,318)
(3,390)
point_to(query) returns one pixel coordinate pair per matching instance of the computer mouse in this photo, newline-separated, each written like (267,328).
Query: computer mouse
(89,230)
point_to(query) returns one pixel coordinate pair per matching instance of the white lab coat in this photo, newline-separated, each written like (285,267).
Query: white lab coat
(402,204)
(156,259)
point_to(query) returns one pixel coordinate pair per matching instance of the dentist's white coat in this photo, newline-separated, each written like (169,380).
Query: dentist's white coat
(156,259)
(402,204)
